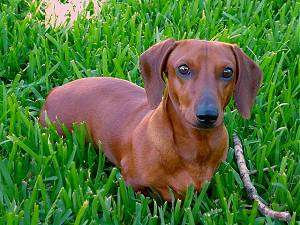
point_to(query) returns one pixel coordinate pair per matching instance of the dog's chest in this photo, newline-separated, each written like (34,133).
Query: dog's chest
(194,175)
(193,171)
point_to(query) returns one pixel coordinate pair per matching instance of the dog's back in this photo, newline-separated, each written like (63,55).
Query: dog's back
(106,102)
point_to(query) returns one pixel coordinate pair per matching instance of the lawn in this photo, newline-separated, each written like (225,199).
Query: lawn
(46,179)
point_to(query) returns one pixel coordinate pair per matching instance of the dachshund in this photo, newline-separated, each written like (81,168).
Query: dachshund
(171,134)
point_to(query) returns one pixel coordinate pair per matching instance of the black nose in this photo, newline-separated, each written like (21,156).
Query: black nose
(207,115)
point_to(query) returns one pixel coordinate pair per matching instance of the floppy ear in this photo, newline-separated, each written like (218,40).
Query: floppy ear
(152,65)
(249,78)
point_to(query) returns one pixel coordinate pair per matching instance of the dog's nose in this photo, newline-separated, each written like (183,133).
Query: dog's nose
(207,116)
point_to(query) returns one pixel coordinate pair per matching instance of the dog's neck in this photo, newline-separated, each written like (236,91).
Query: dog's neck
(188,142)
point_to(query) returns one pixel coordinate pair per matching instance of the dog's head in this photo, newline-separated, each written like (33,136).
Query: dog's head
(201,77)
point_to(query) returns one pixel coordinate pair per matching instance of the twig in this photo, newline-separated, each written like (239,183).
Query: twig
(252,193)
(267,169)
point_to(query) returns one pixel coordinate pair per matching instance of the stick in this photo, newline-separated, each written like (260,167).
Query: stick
(267,169)
(252,193)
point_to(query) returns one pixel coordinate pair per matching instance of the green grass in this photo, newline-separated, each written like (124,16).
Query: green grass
(45,179)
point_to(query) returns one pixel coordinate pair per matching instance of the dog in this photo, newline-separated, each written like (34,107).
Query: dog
(171,134)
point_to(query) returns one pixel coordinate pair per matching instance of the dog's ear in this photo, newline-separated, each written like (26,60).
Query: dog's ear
(249,78)
(152,65)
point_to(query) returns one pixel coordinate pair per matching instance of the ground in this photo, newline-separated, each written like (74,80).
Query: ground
(52,180)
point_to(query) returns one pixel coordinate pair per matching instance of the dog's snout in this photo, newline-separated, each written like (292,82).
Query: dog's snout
(207,115)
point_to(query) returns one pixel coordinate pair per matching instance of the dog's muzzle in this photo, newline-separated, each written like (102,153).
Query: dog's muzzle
(207,115)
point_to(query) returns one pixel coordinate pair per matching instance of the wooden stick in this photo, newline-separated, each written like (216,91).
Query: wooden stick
(252,193)
(267,169)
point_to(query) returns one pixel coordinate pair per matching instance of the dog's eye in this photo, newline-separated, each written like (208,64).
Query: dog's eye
(227,73)
(184,70)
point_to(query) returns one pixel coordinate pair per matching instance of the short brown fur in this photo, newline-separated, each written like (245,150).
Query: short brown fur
(153,138)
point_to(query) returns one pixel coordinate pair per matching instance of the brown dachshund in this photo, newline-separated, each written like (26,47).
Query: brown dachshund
(170,135)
